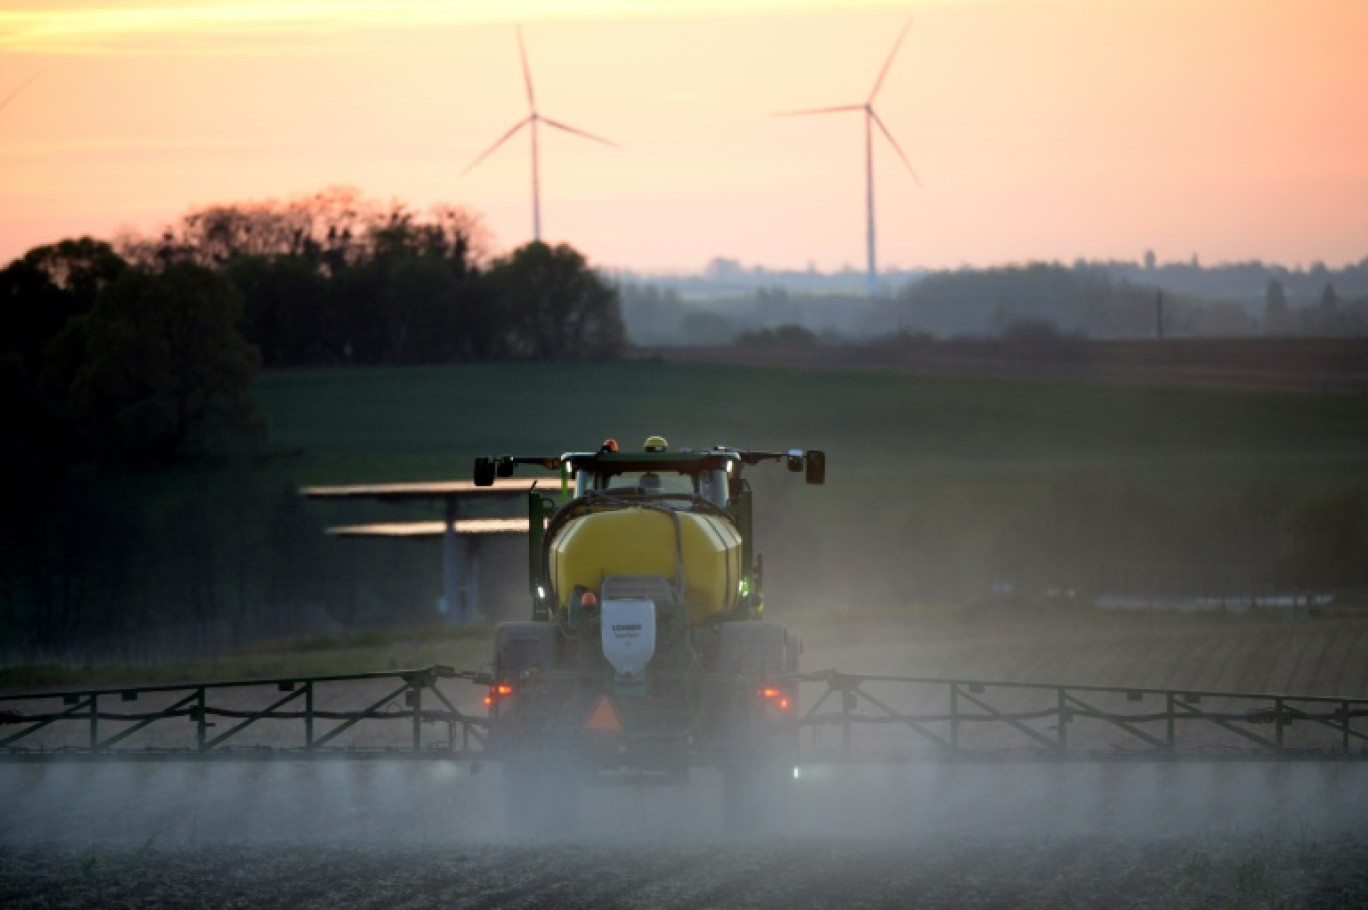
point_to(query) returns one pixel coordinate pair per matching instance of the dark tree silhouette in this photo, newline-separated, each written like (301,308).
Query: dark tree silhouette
(49,286)
(556,306)
(286,309)
(158,368)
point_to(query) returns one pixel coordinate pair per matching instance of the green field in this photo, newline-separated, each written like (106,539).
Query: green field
(412,421)
(943,469)
(942,492)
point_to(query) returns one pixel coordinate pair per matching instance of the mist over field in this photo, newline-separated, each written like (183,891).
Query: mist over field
(417,834)
(434,804)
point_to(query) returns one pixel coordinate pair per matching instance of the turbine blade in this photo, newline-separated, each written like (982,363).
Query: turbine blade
(570,129)
(878,83)
(502,139)
(897,148)
(818,110)
(15,94)
(527,73)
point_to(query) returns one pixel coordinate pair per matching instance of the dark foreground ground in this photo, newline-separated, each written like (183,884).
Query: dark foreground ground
(1204,835)
(934,872)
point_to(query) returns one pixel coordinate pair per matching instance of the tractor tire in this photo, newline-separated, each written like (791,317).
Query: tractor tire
(540,789)
(757,771)
(756,651)
(757,648)
(520,646)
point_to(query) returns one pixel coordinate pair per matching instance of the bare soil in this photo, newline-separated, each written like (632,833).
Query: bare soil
(1279,651)
(954,872)
(303,836)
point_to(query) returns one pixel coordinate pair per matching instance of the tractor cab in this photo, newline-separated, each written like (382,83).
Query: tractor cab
(710,474)
(677,479)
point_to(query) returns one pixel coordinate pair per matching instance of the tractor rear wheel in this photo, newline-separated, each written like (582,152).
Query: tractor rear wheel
(759,748)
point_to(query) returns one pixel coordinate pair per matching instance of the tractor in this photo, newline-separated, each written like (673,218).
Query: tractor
(648,652)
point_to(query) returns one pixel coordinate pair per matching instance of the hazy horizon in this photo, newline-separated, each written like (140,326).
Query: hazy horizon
(1040,130)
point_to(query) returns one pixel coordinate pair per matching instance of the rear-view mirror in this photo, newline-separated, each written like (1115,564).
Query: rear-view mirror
(484,472)
(816,466)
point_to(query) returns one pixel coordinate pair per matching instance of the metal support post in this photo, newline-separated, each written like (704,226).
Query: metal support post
(1063,719)
(954,717)
(1170,726)
(94,722)
(847,708)
(201,718)
(416,701)
(1344,711)
(452,602)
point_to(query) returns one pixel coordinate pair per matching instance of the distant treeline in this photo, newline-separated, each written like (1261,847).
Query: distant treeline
(1087,301)
(147,347)
(1101,301)
(1231,281)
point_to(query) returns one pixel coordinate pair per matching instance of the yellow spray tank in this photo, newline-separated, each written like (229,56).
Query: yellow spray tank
(698,553)
(670,526)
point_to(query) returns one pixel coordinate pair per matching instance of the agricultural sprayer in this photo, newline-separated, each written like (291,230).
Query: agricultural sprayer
(648,652)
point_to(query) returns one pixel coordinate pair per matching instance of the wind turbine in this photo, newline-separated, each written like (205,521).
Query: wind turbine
(871,120)
(533,120)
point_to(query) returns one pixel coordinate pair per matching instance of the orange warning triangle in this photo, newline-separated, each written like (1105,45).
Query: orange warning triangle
(604,717)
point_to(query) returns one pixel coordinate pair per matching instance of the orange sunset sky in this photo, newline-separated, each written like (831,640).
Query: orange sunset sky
(1040,129)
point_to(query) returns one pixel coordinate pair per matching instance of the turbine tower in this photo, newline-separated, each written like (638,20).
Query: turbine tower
(871,120)
(533,120)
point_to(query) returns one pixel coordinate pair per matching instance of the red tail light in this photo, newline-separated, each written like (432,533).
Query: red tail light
(777,697)
(497,693)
